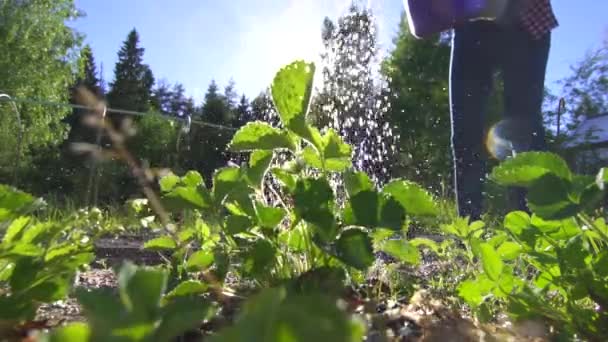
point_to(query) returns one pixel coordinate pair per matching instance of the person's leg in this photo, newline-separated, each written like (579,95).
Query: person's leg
(524,62)
(471,70)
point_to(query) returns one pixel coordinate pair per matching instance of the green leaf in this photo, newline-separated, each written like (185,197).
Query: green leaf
(402,250)
(269,217)
(169,182)
(354,248)
(236,224)
(509,250)
(392,214)
(160,243)
(412,197)
(474,291)
(526,168)
(62,250)
(141,289)
(272,316)
(193,179)
(260,136)
(259,161)
(516,222)
(200,260)
(602,178)
(291,91)
(14,203)
(312,157)
(188,288)
(15,229)
(287,179)
(549,198)
(225,181)
(336,152)
(73,332)
(181,198)
(365,208)
(294,239)
(260,258)
(313,199)
(492,264)
(180,316)
(432,245)
(356,182)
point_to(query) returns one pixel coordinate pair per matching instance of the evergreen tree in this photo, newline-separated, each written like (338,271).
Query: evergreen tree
(207,150)
(243,112)
(418,73)
(133,80)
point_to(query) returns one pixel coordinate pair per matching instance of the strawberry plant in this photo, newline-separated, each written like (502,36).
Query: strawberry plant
(234,224)
(38,260)
(550,264)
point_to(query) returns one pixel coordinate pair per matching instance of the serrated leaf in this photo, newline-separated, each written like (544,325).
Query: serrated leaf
(291,91)
(259,161)
(260,258)
(260,136)
(364,207)
(402,250)
(492,264)
(225,181)
(73,332)
(269,217)
(141,289)
(15,229)
(193,179)
(160,243)
(181,198)
(354,248)
(188,288)
(14,203)
(200,260)
(312,202)
(392,214)
(412,197)
(526,168)
(180,316)
(549,198)
(356,182)
(418,242)
(312,157)
(474,291)
(236,224)
(336,153)
(60,251)
(509,250)
(516,222)
(169,182)
(287,179)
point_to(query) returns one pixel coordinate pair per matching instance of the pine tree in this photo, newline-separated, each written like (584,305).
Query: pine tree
(352,99)
(133,80)
(207,150)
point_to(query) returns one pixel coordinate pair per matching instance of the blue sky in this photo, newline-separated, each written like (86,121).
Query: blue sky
(195,41)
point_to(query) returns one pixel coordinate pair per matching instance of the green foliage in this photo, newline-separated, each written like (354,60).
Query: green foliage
(545,265)
(141,313)
(40,62)
(275,316)
(38,260)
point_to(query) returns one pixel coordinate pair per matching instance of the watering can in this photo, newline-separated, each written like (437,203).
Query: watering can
(428,17)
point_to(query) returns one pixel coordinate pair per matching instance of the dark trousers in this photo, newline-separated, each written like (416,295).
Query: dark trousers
(479,50)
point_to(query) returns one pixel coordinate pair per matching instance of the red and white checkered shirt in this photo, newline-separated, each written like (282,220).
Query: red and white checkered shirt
(538,18)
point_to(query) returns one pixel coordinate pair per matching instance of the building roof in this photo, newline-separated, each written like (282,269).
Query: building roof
(593,130)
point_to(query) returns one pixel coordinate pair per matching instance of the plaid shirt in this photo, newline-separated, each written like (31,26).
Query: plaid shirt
(538,18)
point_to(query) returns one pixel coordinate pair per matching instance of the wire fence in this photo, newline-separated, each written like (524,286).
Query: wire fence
(92,195)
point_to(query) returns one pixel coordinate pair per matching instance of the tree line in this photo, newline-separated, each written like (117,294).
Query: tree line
(404,107)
